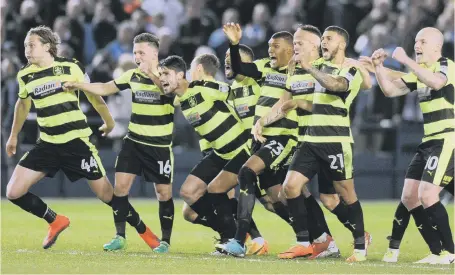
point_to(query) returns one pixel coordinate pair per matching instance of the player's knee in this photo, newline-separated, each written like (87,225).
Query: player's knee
(330,201)
(266,201)
(12,193)
(247,175)
(427,199)
(188,213)
(121,188)
(411,201)
(291,190)
(190,193)
(163,192)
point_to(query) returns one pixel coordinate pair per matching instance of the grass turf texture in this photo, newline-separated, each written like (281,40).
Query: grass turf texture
(79,248)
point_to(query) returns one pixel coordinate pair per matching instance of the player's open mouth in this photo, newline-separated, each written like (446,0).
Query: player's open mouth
(325,50)
(227,67)
(273,58)
(418,54)
(165,85)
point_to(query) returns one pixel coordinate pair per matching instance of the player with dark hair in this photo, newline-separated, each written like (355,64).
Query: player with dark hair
(270,157)
(147,148)
(204,104)
(327,142)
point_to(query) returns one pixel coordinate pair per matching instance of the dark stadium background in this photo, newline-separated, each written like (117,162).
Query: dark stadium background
(99,33)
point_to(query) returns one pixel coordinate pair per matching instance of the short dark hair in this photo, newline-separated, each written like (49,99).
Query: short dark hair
(247,50)
(209,62)
(174,62)
(47,36)
(287,36)
(340,31)
(310,28)
(146,37)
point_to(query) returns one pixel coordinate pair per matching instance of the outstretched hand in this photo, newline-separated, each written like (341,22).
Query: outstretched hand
(233,32)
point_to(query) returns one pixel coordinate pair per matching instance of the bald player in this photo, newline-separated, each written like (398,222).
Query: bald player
(432,168)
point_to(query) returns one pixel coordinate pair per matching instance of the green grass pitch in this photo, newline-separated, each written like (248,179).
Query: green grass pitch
(79,248)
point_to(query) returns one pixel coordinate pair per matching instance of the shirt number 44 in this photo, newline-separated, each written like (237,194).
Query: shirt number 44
(89,165)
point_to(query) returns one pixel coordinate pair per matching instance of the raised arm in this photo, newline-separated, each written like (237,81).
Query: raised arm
(21,111)
(234,33)
(433,80)
(390,88)
(368,65)
(366,79)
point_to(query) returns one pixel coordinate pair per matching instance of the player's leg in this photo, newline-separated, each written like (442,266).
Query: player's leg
(17,192)
(411,201)
(440,165)
(258,244)
(247,178)
(303,167)
(439,171)
(194,192)
(158,166)
(166,213)
(33,166)
(324,246)
(331,200)
(218,188)
(338,159)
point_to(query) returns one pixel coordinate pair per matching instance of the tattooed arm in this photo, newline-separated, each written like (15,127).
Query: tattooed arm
(333,83)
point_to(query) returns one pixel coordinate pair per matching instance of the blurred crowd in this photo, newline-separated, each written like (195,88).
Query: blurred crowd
(99,33)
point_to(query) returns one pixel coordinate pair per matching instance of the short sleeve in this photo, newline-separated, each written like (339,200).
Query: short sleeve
(123,81)
(210,93)
(442,66)
(410,80)
(22,91)
(352,75)
(78,71)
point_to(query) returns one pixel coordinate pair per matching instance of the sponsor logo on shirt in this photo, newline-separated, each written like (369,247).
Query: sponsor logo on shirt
(276,79)
(48,88)
(242,109)
(146,96)
(193,118)
(302,86)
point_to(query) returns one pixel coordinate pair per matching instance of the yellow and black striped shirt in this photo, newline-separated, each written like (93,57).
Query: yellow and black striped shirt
(205,107)
(437,106)
(244,97)
(273,85)
(301,85)
(152,117)
(59,116)
(330,120)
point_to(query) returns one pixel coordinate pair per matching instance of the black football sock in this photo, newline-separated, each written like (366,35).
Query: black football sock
(120,210)
(315,211)
(440,220)
(299,218)
(400,223)
(356,221)
(33,204)
(342,213)
(430,235)
(166,212)
(282,211)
